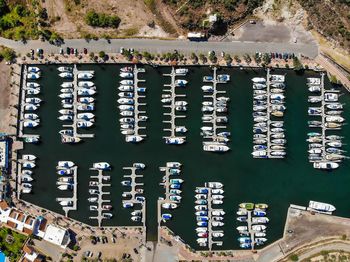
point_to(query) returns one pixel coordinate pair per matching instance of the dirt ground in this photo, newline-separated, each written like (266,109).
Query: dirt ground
(134,16)
(5,91)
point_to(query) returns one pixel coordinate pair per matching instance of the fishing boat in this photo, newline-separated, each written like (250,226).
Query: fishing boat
(102,166)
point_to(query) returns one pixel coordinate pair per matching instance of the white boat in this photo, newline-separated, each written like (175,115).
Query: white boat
(65,164)
(326,165)
(66,118)
(86,100)
(175,140)
(218,234)
(65,203)
(181,71)
(133,138)
(65,69)
(66,75)
(181,129)
(139,165)
(84,124)
(65,179)
(315,89)
(86,91)
(33,76)
(126,75)
(30,107)
(180,103)
(258,227)
(336,119)
(31,116)
(67,106)
(125,88)
(218,212)
(29,157)
(173,164)
(26,178)
(65,187)
(260,80)
(67,85)
(126,94)
(85,116)
(102,165)
(260,220)
(125,101)
(32,85)
(207,88)
(33,100)
(331,97)
(126,82)
(215,147)
(26,190)
(180,82)
(32,91)
(323,207)
(217,223)
(86,84)
(66,95)
(30,123)
(67,90)
(85,75)
(215,185)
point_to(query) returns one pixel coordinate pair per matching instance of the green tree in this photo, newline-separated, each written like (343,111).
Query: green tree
(102,54)
(202,58)
(257,58)
(101,20)
(212,57)
(266,59)
(297,65)
(4,9)
(294,257)
(194,57)
(237,59)
(247,58)
(228,58)
(9,55)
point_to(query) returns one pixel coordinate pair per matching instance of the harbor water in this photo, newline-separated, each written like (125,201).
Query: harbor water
(277,182)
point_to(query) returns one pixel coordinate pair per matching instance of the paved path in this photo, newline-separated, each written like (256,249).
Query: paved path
(163,46)
(329,247)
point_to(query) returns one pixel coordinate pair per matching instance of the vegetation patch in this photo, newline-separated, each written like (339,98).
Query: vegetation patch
(11,243)
(102,20)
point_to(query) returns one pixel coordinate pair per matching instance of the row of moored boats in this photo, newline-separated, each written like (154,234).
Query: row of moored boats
(209,220)
(325,150)
(129,95)
(268,106)
(215,114)
(254,233)
(26,176)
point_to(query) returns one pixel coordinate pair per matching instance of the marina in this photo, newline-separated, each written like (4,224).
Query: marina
(273,182)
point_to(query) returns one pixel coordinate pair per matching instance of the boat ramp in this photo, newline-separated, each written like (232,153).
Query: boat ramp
(74,199)
(101,184)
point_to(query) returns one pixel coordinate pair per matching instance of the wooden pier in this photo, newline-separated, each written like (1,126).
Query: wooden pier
(172,106)
(74,198)
(133,192)
(100,200)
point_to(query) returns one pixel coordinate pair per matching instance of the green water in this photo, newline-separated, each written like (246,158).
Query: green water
(275,182)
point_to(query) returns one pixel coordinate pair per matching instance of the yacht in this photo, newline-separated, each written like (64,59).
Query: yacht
(127,82)
(84,124)
(125,101)
(169,205)
(32,85)
(323,207)
(175,140)
(107,215)
(67,85)
(334,106)
(213,147)
(65,164)
(181,71)
(173,164)
(29,157)
(126,183)
(65,69)
(86,84)
(136,218)
(217,223)
(85,116)
(133,138)
(126,75)
(65,187)
(180,83)
(85,75)
(86,92)
(66,203)
(33,100)
(259,80)
(27,164)
(326,165)
(33,76)
(65,172)
(139,165)
(26,178)
(126,69)
(102,166)
(32,91)
(65,180)
(207,88)
(260,220)
(218,212)
(258,227)
(66,118)
(66,75)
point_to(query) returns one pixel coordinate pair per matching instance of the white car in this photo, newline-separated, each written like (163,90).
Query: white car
(121,50)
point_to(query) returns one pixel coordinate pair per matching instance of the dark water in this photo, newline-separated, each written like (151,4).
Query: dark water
(275,182)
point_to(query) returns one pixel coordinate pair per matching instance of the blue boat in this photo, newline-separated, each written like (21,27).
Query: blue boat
(259,213)
(175,186)
(202,190)
(202,218)
(166,217)
(245,245)
(141,89)
(202,224)
(128,205)
(244,240)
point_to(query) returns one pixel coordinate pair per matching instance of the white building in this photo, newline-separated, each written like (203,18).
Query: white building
(57,235)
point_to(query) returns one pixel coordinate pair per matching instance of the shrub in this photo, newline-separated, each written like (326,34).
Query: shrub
(101,20)
(8,54)
(294,257)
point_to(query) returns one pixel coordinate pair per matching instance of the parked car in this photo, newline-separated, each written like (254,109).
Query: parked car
(85,51)
(61,51)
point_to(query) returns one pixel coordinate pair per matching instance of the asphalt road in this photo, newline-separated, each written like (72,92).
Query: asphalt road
(163,46)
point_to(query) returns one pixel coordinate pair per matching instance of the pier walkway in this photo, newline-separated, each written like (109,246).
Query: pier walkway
(137,104)
(101,193)
(74,126)
(133,191)
(172,106)
(74,198)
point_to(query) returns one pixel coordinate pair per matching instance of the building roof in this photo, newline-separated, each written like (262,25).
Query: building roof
(3,154)
(3,205)
(57,235)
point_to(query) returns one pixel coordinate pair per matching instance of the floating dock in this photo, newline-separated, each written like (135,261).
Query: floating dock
(100,200)
(172,114)
(74,198)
